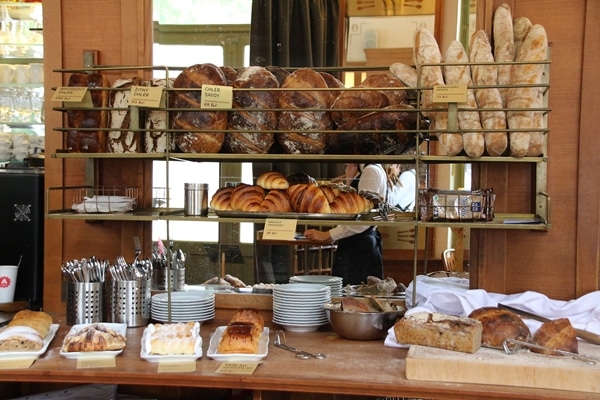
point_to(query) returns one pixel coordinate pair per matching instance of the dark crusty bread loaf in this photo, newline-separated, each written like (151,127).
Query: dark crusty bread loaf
(255,127)
(303,130)
(156,138)
(196,120)
(120,141)
(89,141)
(498,325)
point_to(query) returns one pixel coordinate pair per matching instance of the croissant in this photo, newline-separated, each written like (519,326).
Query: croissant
(272,180)
(309,198)
(247,197)
(276,201)
(221,200)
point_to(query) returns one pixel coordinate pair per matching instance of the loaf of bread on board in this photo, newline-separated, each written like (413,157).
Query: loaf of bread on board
(498,325)
(533,49)
(504,45)
(156,138)
(489,98)
(426,51)
(473,142)
(89,141)
(120,141)
(255,126)
(195,120)
(301,132)
(439,330)
(557,334)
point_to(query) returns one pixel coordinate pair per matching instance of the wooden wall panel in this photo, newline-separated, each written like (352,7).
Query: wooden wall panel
(123,36)
(552,262)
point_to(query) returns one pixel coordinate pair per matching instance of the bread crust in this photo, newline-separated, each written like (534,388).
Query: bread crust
(557,334)
(498,325)
(504,46)
(196,141)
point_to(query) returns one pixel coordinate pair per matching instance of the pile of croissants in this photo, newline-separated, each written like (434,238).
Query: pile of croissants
(273,193)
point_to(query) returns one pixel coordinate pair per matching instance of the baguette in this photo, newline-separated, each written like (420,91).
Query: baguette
(439,330)
(426,51)
(534,49)
(504,45)
(480,51)
(473,142)
(521,26)
(406,73)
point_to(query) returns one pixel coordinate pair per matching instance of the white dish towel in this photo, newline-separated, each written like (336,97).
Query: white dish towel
(452,296)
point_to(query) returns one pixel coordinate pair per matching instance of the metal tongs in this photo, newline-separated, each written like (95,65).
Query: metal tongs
(303,355)
(517,345)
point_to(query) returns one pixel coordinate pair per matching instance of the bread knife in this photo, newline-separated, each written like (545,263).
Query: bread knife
(583,334)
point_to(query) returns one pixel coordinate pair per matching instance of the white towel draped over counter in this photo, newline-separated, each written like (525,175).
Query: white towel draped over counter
(452,296)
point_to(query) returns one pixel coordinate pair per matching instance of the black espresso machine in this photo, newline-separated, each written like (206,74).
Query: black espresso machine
(22,229)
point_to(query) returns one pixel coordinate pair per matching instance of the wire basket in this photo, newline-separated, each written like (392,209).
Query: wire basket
(456,205)
(105,199)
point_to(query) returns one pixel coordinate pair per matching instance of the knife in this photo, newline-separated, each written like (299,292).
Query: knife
(583,334)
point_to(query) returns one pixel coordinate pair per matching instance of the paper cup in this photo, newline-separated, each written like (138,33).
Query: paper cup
(8,282)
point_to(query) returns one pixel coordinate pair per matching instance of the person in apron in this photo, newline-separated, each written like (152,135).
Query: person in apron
(359,249)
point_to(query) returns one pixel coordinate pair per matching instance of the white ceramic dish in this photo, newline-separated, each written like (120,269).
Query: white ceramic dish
(75,355)
(263,348)
(300,328)
(19,355)
(169,357)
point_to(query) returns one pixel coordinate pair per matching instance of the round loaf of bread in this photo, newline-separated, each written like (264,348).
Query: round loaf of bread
(257,126)
(391,87)
(303,130)
(557,334)
(196,120)
(498,325)
(272,180)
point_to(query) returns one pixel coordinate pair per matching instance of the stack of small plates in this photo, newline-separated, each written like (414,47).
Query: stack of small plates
(334,282)
(185,306)
(298,307)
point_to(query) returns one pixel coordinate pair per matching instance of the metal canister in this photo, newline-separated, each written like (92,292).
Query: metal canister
(196,199)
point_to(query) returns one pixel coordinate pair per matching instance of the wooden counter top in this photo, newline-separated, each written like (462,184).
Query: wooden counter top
(351,367)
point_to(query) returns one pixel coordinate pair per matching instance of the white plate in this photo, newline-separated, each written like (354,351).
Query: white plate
(169,357)
(305,288)
(184,297)
(263,348)
(166,319)
(18,355)
(300,328)
(325,280)
(119,328)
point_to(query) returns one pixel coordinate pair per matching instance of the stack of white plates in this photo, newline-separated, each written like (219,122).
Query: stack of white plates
(334,282)
(185,306)
(298,307)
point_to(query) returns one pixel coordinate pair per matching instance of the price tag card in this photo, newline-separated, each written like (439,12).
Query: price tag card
(22,363)
(177,366)
(145,96)
(216,97)
(240,368)
(102,362)
(71,94)
(279,229)
(450,94)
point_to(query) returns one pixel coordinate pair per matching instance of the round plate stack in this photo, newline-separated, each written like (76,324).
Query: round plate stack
(298,307)
(334,282)
(185,306)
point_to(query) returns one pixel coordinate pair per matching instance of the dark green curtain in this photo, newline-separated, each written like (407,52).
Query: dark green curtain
(295,33)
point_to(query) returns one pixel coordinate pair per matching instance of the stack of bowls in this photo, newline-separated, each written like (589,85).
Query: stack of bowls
(298,307)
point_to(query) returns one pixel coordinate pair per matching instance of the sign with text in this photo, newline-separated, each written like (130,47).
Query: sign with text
(216,97)
(145,96)
(71,95)
(240,368)
(279,229)
(450,94)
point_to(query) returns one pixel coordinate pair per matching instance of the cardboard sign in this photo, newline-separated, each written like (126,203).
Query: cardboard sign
(216,97)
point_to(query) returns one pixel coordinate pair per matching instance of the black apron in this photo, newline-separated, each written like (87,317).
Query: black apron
(359,256)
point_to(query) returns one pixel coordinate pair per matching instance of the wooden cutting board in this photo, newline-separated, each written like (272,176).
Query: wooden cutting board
(494,367)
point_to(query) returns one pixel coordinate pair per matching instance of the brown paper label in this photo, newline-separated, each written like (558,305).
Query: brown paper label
(177,366)
(279,229)
(70,94)
(22,363)
(216,97)
(101,362)
(450,94)
(240,368)
(145,96)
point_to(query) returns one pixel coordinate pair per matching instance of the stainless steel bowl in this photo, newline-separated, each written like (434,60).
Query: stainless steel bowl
(360,325)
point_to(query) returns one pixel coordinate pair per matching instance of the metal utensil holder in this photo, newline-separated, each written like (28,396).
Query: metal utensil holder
(85,302)
(129,302)
(176,276)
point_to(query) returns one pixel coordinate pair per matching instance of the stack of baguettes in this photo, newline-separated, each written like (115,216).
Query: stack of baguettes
(26,331)
(242,334)
(497,85)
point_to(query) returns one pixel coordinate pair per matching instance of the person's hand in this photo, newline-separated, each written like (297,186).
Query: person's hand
(317,235)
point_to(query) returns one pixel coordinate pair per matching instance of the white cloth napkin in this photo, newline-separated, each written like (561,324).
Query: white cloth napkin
(452,296)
